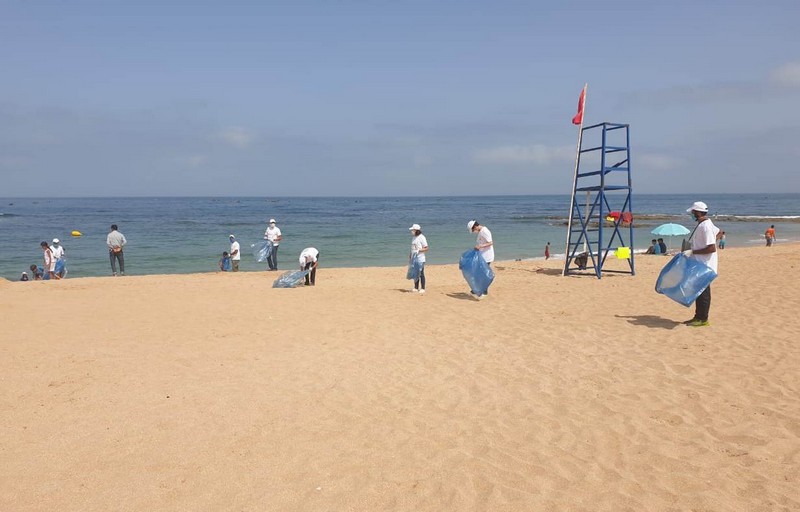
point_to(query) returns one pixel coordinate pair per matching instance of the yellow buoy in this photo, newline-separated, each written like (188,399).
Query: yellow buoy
(77,233)
(623,253)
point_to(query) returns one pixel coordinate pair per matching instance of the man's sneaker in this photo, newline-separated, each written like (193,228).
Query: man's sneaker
(422,291)
(687,322)
(698,323)
(414,290)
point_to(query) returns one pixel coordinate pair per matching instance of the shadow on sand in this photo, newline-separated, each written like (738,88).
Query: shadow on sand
(655,322)
(462,296)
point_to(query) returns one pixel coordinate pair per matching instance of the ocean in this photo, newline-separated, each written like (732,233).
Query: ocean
(188,234)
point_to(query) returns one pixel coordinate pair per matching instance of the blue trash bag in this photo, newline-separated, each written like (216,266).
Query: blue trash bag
(290,279)
(61,269)
(477,272)
(683,279)
(414,268)
(262,250)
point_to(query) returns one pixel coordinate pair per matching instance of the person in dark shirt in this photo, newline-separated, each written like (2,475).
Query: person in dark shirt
(662,245)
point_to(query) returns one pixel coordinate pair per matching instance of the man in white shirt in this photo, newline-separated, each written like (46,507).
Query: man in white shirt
(484,242)
(309,259)
(236,256)
(484,245)
(703,249)
(58,254)
(273,234)
(419,246)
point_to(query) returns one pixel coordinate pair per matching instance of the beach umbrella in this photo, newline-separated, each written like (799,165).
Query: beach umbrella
(670,229)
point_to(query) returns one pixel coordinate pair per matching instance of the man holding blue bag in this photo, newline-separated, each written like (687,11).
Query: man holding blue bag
(703,249)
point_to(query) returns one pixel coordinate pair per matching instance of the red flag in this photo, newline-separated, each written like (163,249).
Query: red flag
(578,119)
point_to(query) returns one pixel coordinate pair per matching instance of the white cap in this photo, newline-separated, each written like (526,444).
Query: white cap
(272,221)
(698,206)
(415,227)
(56,241)
(470,224)
(231,236)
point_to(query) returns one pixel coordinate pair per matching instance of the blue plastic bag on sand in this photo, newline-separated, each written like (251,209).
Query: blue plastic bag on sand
(262,250)
(683,279)
(290,279)
(476,271)
(414,268)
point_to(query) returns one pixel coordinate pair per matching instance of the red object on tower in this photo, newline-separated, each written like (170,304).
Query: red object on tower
(578,119)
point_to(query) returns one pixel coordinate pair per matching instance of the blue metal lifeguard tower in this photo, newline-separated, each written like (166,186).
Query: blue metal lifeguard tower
(602,182)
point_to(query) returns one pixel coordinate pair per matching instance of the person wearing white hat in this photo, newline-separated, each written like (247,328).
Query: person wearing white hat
(58,254)
(309,260)
(273,234)
(419,246)
(484,242)
(703,242)
(236,255)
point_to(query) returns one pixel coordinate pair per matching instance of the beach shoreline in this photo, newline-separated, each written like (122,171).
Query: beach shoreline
(212,392)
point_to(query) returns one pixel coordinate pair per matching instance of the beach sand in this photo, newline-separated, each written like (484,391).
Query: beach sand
(217,392)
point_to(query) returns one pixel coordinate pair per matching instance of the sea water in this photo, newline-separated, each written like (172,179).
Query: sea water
(188,234)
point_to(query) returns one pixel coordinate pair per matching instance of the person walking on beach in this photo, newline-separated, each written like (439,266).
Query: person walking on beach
(703,249)
(769,234)
(273,234)
(115,242)
(419,246)
(61,260)
(236,256)
(547,251)
(49,261)
(721,241)
(309,260)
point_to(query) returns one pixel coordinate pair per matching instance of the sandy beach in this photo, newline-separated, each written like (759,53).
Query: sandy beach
(216,392)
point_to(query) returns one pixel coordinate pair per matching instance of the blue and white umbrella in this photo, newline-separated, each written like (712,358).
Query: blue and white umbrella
(670,229)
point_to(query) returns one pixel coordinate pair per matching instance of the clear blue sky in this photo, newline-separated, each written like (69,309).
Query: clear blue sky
(112,98)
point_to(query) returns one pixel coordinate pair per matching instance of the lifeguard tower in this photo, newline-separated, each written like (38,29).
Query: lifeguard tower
(600,220)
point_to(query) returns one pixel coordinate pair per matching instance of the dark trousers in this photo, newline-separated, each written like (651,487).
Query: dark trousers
(703,304)
(311,276)
(272,261)
(421,279)
(114,257)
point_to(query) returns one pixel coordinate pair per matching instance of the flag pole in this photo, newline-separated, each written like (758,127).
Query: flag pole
(575,181)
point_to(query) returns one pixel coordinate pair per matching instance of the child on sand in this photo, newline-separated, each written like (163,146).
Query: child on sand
(224,263)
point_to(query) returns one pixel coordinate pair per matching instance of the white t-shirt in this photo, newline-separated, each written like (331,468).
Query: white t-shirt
(484,237)
(58,251)
(417,243)
(705,235)
(309,255)
(272,234)
(235,247)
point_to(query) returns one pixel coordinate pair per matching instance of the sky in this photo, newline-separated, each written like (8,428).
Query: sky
(379,98)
